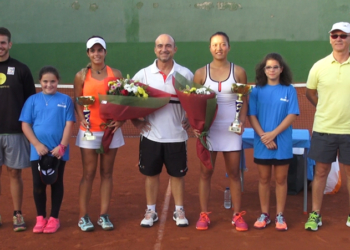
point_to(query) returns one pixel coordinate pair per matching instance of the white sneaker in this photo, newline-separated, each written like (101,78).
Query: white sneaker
(150,217)
(180,218)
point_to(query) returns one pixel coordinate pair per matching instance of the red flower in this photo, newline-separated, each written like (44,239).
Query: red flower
(124,92)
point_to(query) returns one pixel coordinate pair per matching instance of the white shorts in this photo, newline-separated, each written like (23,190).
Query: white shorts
(117,141)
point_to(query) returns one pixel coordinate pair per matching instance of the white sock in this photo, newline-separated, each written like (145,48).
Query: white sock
(151,207)
(179,207)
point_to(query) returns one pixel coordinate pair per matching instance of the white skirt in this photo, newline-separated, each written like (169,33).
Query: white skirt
(222,140)
(117,141)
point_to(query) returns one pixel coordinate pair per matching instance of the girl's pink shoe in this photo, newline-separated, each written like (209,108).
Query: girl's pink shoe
(40,224)
(52,225)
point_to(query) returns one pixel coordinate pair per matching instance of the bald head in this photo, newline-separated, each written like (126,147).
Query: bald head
(165,37)
(165,48)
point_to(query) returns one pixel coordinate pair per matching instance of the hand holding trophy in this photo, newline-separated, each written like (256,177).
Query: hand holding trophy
(240,89)
(86,101)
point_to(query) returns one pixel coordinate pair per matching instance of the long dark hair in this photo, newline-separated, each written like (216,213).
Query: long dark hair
(260,76)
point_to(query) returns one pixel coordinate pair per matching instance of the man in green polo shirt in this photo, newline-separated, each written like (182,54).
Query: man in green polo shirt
(328,89)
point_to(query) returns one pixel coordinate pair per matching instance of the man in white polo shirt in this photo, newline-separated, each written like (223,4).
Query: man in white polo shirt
(163,133)
(328,89)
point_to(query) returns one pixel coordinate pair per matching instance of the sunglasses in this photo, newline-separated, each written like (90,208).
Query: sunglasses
(342,36)
(270,67)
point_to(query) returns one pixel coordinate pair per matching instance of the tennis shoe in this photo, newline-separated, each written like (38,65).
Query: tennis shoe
(104,222)
(347,222)
(203,221)
(238,221)
(180,218)
(150,217)
(85,224)
(262,221)
(40,224)
(280,222)
(18,223)
(52,226)
(313,222)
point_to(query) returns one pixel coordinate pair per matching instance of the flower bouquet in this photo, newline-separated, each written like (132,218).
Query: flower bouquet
(128,99)
(199,102)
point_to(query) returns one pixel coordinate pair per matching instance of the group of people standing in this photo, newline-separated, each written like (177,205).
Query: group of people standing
(271,110)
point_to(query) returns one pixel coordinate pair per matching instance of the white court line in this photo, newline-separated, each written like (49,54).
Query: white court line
(162,218)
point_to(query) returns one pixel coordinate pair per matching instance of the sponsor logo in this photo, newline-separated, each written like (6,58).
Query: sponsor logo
(63,105)
(284,99)
(2,78)
(11,70)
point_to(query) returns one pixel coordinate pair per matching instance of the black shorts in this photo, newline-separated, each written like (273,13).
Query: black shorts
(154,154)
(274,162)
(324,148)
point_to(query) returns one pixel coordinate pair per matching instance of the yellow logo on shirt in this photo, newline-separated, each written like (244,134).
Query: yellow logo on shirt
(2,78)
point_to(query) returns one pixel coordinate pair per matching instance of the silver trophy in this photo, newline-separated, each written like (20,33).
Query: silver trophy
(86,101)
(240,89)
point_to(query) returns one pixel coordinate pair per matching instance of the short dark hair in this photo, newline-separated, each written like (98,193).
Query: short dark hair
(220,33)
(260,76)
(5,32)
(49,69)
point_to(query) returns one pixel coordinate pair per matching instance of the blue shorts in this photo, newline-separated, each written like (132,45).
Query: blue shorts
(154,154)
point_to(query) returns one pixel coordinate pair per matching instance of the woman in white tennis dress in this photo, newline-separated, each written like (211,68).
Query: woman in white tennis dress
(219,75)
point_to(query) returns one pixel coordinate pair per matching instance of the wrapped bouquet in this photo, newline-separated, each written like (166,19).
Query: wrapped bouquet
(199,102)
(128,99)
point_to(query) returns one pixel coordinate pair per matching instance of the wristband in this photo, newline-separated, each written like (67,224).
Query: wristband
(62,149)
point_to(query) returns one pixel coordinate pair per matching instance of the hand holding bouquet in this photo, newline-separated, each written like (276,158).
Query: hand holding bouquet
(128,99)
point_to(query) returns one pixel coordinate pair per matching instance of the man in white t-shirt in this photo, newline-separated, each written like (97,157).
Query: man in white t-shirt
(163,133)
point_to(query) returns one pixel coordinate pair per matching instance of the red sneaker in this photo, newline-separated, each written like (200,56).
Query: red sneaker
(203,221)
(40,224)
(238,221)
(52,226)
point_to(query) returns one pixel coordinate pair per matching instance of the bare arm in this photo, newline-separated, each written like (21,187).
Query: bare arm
(311,95)
(241,77)
(78,91)
(117,73)
(199,76)
(40,148)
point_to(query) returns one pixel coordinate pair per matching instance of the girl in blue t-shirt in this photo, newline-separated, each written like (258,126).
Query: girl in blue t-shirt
(273,106)
(47,121)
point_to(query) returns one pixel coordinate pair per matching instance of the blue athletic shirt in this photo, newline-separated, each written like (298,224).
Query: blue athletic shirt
(48,122)
(271,104)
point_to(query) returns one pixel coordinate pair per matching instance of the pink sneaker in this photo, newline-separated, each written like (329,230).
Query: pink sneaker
(52,226)
(203,221)
(40,224)
(239,222)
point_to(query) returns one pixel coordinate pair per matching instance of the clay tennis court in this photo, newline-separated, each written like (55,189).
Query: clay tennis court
(128,206)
